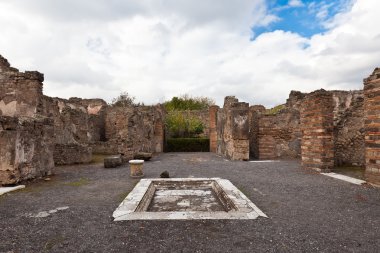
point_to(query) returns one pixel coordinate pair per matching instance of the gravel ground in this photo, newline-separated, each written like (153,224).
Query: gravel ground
(307,212)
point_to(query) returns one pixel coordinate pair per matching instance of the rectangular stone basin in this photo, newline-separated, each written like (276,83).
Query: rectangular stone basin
(186,198)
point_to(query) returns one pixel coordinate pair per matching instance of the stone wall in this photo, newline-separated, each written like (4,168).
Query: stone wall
(134,129)
(72,134)
(26,148)
(317,121)
(255,112)
(349,144)
(20,93)
(278,135)
(233,129)
(372,126)
(213,134)
(26,135)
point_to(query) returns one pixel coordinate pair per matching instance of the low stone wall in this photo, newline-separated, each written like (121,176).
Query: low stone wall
(317,131)
(65,154)
(26,148)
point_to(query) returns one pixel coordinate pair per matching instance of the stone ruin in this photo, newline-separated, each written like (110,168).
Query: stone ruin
(38,132)
(323,128)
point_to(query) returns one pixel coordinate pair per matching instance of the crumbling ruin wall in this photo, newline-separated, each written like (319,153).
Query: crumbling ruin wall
(372,126)
(134,129)
(213,134)
(79,123)
(233,129)
(317,121)
(20,93)
(349,134)
(26,148)
(255,112)
(278,135)
(26,136)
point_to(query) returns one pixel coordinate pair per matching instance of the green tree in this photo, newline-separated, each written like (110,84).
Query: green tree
(124,100)
(180,126)
(186,102)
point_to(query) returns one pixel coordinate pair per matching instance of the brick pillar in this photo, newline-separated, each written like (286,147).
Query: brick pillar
(317,121)
(213,110)
(372,126)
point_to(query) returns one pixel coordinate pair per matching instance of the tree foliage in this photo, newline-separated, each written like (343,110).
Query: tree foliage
(125,100)
(186,102)
(180,126)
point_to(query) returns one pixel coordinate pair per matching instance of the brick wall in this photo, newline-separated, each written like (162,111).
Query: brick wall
(317,118)
(372,126)
(213,110)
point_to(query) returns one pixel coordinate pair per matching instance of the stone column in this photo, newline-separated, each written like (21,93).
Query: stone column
(213,110)
(372,126)
(317,147)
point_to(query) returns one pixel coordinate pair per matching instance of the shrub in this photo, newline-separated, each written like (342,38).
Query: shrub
(180,126)
(186,102)
(188,145)
(124,100)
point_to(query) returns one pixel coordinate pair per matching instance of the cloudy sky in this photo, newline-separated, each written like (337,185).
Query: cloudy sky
(257,50)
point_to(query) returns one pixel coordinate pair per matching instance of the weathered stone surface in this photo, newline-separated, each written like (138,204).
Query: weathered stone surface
(112,161)
(134,129)
(233,129)
(349,143)
(372,126)
(73,153)
(146,156)
(26,147)
(317,146)
(213,135)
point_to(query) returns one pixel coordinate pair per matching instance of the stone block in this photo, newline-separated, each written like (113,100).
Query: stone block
(112,161)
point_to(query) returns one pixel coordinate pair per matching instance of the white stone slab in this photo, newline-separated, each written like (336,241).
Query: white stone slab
(130,208)
(345,178)
(4,190)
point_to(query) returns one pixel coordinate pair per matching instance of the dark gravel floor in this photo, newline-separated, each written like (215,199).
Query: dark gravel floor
(307,212)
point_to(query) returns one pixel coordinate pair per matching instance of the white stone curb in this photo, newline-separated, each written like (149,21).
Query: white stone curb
(4,190)
(345,178)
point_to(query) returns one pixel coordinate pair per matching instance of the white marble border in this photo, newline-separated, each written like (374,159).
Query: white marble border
(4,190)
(245,208)
(345,178)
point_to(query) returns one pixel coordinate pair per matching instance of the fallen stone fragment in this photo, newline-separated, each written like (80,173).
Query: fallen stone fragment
(112,161)
(143,156)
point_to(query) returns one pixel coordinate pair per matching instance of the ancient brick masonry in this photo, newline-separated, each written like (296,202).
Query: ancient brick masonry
(213,135)
(233,129)
(372,126)
(317,146)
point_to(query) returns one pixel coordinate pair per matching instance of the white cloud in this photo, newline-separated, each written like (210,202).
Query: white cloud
(295,3)
(159,49)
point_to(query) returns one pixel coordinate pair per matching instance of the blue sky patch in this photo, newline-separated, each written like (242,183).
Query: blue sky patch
(305,17)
